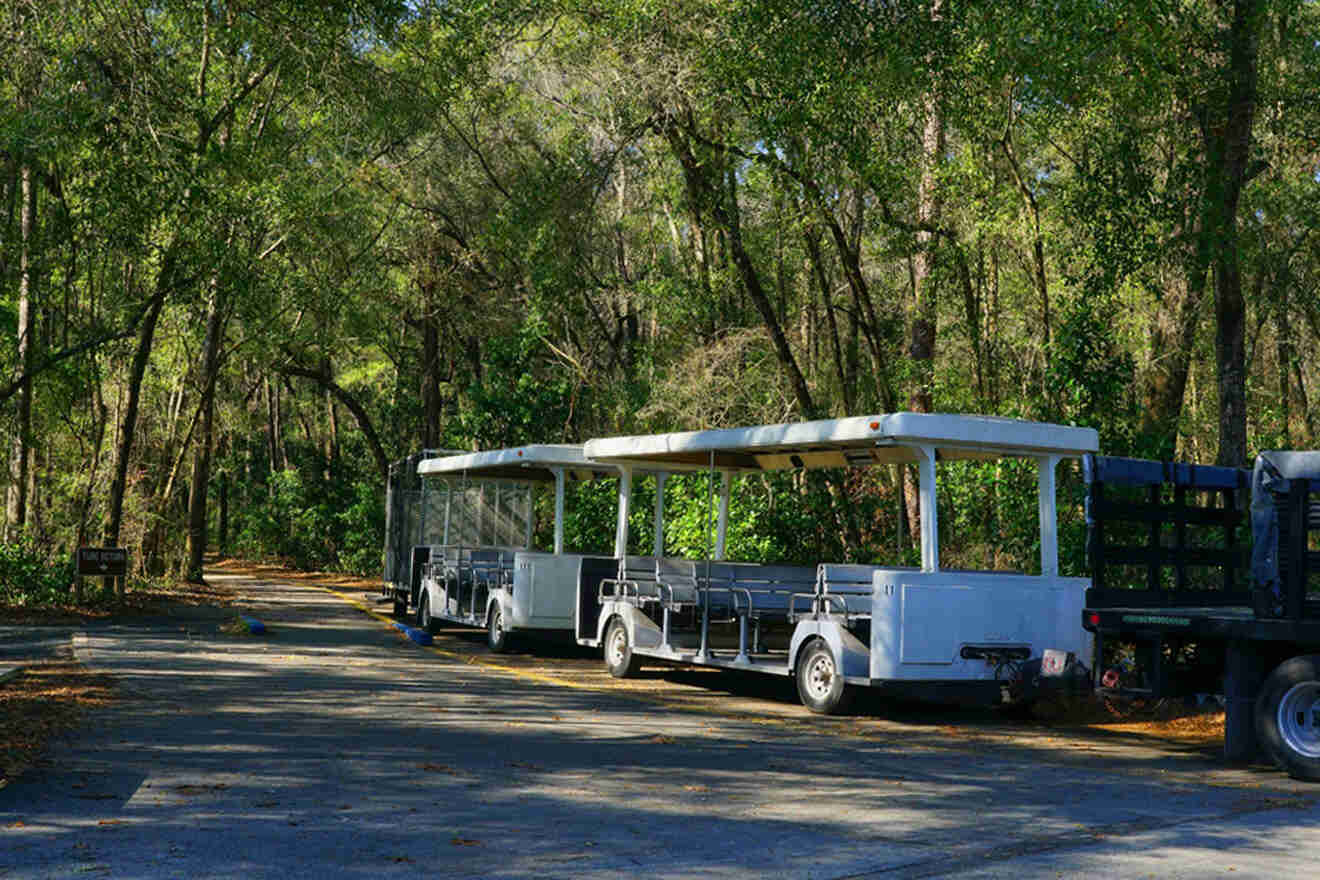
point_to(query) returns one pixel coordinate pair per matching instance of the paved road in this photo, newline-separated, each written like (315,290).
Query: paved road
(333,747)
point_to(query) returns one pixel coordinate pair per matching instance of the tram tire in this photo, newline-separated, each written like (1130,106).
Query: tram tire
(820,682)
(619,656)
(497,637)
(1288,717)
(425,622)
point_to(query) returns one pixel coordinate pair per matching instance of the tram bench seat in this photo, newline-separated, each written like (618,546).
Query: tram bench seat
(637,575)
(491,567)
(449,562)
(768,591)
(488,566)
(734,589)
(850,587)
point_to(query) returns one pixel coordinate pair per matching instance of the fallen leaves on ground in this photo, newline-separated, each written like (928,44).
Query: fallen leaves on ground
(1163,719)
(439,768)
(278,572)
(48,699)
(155,598)
(191,788)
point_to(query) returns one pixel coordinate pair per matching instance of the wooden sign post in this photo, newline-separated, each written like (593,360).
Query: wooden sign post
(105,562)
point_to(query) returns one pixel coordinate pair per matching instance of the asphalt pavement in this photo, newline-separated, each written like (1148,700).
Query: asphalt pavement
(335,747)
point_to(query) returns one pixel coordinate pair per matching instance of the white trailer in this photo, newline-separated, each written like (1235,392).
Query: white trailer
(483,570)
(928,631)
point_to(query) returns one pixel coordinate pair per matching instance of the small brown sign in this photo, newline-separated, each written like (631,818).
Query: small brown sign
(105,561)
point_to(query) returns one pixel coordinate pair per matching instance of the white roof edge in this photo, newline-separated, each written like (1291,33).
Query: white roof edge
(991,434)
(544,455)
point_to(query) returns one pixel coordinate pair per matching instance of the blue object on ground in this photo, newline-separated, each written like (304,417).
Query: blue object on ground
(256,627)
(420,636)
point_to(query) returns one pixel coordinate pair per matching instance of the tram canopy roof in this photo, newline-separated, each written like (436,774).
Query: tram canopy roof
(848,442)
(535,463)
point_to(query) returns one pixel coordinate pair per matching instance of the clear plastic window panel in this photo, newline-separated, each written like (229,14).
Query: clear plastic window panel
(431,529)
(474,514)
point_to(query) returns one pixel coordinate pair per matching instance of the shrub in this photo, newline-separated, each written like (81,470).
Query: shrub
(29,578)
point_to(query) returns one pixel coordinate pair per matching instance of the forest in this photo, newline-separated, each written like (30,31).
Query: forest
(252,252)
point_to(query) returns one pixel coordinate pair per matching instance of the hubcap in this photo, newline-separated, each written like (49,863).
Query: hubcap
(497,625)
(820,675)
(1299,718)
(618,645)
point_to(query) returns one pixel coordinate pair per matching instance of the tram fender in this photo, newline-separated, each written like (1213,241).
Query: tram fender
(852,654)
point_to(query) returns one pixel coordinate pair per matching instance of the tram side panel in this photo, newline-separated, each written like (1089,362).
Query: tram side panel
(971,626)
(545,589)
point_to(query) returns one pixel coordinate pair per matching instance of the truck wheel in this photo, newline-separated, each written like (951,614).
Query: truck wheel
(1288,716)
(619,658)
(820,681)
(496,635)
(425,621)
(400,607)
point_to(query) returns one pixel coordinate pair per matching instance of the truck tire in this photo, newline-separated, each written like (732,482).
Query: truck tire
(820,681)
(1288,716)
(400,607)
(619,658)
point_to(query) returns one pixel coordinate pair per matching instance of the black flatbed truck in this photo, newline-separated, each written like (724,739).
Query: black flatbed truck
(1192,600)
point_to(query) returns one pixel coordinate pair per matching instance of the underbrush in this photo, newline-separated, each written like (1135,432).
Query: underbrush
(30,578)
(33,582)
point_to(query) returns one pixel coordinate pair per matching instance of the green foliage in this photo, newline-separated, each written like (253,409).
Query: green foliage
(509,178)
(31,578)
(1092,373)
(520,398)
(362,526)
(314,525)
(988,516)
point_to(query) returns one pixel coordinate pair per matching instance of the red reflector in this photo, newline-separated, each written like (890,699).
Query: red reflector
(1093,619)
(875,426)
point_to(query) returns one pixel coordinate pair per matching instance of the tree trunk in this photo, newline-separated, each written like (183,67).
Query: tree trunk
(1172,336)
(1038,277)
(137,370)
(20,452)
(922,308)
(812,239)
(223,538)
(331,425)
(431,400)
(201,474)
(1227,126)
(273,441)
(706,196)
(98,446)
